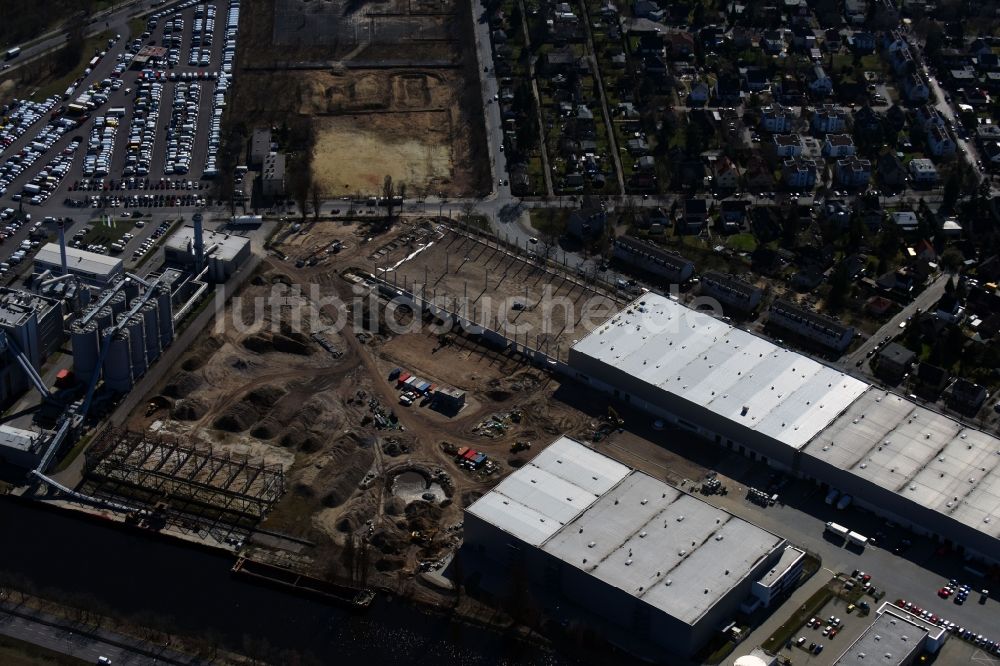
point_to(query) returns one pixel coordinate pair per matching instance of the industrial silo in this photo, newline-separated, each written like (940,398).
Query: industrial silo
(86,349)
(137,344)
(117,303)
(151,327)
(165,316)
(118,363)
(131,288)
(105,317)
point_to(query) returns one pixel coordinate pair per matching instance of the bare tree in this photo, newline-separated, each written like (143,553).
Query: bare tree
(317,199)
(389,194)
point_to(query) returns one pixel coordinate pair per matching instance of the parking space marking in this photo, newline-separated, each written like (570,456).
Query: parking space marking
(981,657)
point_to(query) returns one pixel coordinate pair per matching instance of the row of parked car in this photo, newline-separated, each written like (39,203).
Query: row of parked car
(19,162)
(219,99)
(134,183)
(17,118)
(142,136)
(138,201)
(978,640)
(47,180)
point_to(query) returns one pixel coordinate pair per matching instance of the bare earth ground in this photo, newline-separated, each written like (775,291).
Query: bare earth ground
(407,107)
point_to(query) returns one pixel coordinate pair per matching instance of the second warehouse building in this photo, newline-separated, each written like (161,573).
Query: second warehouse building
(657,562)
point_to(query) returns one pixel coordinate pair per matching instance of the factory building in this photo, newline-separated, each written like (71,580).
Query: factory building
(897,459)
(894,638)
(272,175)
(35,325)
(21,448)
(91,268)
(135,333)
(663,566)
(222,254)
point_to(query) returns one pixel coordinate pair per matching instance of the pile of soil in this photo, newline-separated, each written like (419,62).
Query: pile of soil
(395,506)
(236,418)
(469,497)
(189,409)
(422,515)
(199,356)
(265,343)
(182,384)
(348,464)
(266,428)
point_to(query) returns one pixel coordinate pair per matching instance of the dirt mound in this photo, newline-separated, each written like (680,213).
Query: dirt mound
(385,564)
(348,463)
(182,385)
(264,398)
(200,355)
(266,429)
(236,418)
(499,395)
(258,343)
(290,345)
(395,506)
(422,515)
(189,409)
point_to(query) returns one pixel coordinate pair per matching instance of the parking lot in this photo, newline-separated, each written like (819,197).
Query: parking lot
(143,119)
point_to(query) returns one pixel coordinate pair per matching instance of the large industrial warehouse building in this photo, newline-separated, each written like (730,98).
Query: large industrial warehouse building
(896,458)
(651,559)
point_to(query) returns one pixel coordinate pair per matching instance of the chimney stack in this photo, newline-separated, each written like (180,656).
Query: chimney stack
(62,246)
(199,242)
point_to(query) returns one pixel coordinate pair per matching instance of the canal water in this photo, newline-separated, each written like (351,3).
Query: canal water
(138,576)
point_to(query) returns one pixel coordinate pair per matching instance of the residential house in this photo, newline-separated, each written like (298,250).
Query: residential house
(588,221)
(731,291)
(829,119)
(923,171)
(928,116)
(799,173)
(810,325)
(838,145)
(868,125)
(733,214)
(820,85)
(773,41)
(990,152)
(803,36)
(652,259)
(787,145)
(680,45)
(725,174)
(885,15)
(924,250)
(833,40)
(728,89)
(694,217)
(836,213)
(852,172)
(699,94)
(648,10)
(949,309)
(856,11)
(776,119)
(902,61)
(894,361)
(891,172)
(915,89)
(967,397)
(861,42)
(939,142)
(906,221)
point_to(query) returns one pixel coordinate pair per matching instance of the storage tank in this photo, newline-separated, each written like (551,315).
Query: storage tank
(118,303)
(137,344)
(151,327)
(165,316)
(117,363)
(105,317)
(86,349)
(132,290)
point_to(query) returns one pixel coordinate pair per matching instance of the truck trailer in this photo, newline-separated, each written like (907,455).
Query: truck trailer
(839,530)
(857,539)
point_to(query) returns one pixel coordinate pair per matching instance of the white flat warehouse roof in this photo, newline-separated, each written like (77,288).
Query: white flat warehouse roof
(735,374)
(922,455)
(226,246)
(78,260)
(629,530)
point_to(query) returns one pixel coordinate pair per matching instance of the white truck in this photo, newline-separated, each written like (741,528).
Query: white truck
(838,530)
(857,539)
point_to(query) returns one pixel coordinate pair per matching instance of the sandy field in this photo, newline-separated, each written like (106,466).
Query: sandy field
(373,147)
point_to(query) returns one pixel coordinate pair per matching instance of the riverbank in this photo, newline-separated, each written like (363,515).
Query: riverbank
(186,591)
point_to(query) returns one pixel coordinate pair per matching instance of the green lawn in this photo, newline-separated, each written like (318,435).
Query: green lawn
(101,233)
(812,605)
(742,242)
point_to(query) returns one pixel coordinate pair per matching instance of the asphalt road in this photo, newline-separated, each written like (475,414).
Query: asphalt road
(924,301)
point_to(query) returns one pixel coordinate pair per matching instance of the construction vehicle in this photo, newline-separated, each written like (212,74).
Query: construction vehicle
(614,418)
(519,446)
